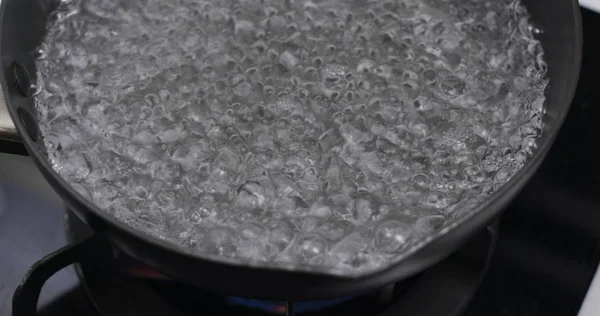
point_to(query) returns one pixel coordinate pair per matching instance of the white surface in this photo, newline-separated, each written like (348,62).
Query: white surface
(26,238)
(7,127)
(592,5)
(591,304)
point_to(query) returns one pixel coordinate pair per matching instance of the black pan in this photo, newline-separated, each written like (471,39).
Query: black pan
(22,28)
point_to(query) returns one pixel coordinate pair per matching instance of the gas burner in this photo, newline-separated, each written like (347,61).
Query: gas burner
(118,285)
(189,300)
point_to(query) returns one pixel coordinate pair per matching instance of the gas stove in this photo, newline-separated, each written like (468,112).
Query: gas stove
(539,258)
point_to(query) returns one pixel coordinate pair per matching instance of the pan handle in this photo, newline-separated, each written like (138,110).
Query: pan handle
(28,291)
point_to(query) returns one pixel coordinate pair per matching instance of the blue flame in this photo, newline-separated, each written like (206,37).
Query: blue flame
(277,306)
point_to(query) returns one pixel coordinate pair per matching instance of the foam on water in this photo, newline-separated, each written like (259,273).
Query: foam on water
(320,135)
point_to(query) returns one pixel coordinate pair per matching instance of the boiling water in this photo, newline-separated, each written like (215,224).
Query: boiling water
(329,135)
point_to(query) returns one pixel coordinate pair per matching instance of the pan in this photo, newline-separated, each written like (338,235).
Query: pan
(22,28)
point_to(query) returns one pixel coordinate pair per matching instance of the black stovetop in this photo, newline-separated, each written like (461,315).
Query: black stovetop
(547,251)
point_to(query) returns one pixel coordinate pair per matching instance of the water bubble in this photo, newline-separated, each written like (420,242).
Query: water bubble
(372,163)
(251,231)
(429,224)
(76,166)
(252,250)
(365,65)
(504,174)
(452,87)
(528,145)
(166,170)
(392,235)
(439,28)
(430,75)
(288,60)
(280,237)
(320,210)
(334,71)
(199,212)
(493,161)
(243,89)
(351,252)
(437,200)
(475,174)
(177,228)
(251,195)
(421,180)
(310,249)
(220,241)
(329,140)
(103,9)
(364,208)
(285,105)
(55,85)
(41,53)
